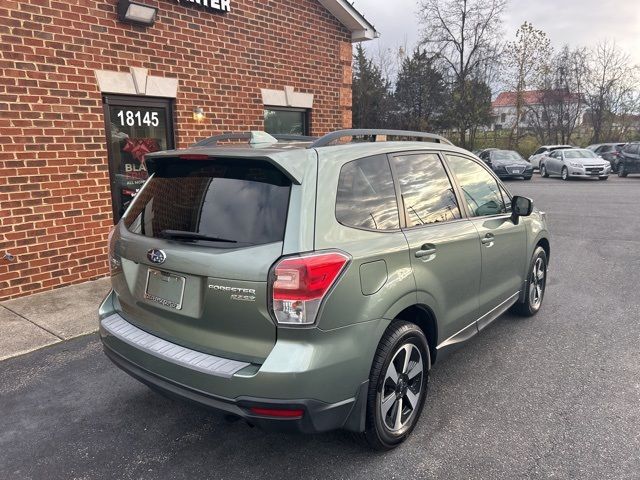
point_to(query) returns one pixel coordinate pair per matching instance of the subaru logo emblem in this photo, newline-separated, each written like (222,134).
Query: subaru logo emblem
(156,256)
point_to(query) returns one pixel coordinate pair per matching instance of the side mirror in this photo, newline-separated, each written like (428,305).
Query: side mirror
(521,207)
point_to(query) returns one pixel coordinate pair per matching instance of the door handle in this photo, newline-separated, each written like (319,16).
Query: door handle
(426,250)
(488,240)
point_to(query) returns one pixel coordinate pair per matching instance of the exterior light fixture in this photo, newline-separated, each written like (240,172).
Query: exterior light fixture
(198,114)
(136,13)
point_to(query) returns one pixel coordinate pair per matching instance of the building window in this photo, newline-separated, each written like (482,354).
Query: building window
(135,126)
(503,117)
(286,121)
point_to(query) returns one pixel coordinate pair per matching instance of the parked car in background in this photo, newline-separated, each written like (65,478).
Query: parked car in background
(542,152)
(575,162)
(293,286)
(629,160)
(507,164)
(609,151)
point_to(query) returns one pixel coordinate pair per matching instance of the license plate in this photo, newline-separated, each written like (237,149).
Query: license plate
(515,170)
(164,288)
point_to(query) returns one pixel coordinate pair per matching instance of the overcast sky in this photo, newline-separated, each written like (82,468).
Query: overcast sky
(577,22)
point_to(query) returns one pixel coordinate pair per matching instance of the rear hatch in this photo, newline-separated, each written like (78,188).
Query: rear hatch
(195,250)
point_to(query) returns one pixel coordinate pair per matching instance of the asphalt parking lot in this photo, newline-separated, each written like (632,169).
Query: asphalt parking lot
(556,396)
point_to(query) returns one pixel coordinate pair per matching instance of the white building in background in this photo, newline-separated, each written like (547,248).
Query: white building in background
(538,106)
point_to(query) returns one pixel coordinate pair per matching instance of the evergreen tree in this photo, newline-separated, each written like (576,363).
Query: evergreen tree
(420,94)
(370,92)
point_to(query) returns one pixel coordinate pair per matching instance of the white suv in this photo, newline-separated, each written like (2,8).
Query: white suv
(542,151)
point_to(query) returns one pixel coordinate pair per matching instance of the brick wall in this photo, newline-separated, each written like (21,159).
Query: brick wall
(55,203)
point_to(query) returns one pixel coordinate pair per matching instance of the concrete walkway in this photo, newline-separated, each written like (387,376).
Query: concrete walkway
(35,321)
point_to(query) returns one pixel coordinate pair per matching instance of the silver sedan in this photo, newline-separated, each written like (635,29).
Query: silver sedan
(575,162)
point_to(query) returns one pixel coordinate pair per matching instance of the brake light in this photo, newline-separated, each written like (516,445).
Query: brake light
(115,262)
(276,412)
(301,283)
(194,157)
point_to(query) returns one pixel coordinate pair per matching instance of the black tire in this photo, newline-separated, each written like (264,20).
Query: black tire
(543,171)
(622,172)
(565,174)
(530,306)
(528,178)
(399,334)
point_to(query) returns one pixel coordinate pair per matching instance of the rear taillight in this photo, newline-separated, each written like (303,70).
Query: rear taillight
(301,283)
(115,262)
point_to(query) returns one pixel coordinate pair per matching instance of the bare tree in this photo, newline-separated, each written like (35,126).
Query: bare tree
(465,36)
(612,82)
(560,105)
(526,58)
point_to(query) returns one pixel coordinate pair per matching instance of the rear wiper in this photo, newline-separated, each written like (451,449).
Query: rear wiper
(193,236)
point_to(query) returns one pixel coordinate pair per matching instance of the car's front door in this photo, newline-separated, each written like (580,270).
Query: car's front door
(502,242)
(444,246)
(553,163)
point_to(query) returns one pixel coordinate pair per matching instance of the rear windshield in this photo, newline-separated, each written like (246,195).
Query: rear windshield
(225,203)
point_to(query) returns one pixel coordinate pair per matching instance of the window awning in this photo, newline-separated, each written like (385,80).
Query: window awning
(361,29)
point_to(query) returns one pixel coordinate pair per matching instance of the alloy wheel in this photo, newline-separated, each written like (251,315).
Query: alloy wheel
(565,173)
(537,282)
(402,388)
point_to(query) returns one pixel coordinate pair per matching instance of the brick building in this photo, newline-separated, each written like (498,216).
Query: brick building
(85,93)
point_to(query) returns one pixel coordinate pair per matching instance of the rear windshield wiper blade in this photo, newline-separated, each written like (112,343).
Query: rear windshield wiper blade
(193,236)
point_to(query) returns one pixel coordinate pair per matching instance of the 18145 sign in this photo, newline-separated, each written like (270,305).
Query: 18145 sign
(215,5)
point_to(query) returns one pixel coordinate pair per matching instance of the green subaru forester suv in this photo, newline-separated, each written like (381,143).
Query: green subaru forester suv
(310,284)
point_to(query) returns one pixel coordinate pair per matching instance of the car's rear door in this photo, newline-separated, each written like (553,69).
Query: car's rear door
(195,249)
(444,246)
(503,243)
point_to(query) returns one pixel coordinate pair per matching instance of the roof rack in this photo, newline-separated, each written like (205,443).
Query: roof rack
(373,135)
(254,138)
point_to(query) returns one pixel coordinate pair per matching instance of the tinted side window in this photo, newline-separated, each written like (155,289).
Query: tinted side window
(481,191)
(426,190)
(366,195)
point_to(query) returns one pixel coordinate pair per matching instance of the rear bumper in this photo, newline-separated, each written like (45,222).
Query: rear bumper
(316,416)
(323,373)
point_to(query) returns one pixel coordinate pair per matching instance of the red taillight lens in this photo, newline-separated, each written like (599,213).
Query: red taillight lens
(115,262)
(277,413)
(194,157)
(301,284)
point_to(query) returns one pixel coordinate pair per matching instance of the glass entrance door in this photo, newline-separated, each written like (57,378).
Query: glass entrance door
(135,127)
